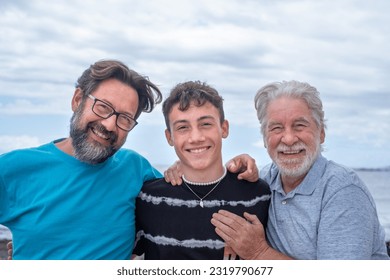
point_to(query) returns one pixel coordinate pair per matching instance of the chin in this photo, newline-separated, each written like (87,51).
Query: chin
(200,166)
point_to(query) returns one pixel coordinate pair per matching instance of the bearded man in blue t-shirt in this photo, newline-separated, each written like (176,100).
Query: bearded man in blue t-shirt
(74,198)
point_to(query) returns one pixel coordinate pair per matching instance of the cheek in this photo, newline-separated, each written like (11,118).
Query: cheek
(310,138)
(86,117)
(122,136)
(272,141)
(177,139)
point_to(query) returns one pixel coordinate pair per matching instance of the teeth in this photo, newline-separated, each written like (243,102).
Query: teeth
(291,152)
(99,134)
(197,151)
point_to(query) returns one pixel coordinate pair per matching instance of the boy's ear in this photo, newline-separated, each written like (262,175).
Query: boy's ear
(168,136)
(225,129)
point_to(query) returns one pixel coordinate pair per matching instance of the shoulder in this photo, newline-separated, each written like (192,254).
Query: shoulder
(269,173)
(156,183)
(132,156)
(16,155)
(339,176)
(157,187)
(128,153)
(260,185)
(341,181)
(156,190)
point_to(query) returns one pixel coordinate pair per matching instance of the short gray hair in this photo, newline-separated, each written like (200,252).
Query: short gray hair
(291,89)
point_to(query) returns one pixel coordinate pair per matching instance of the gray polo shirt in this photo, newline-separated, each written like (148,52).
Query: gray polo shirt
(330,215)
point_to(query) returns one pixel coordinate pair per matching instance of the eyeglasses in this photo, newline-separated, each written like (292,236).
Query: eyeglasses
(105,110)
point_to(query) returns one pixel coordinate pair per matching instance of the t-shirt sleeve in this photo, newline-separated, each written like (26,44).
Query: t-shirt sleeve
(4,201)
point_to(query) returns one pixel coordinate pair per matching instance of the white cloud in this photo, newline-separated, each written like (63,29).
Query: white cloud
(9,143)
(236,46)
(28,107)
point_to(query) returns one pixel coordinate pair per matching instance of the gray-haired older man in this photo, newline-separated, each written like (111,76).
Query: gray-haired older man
(319,209)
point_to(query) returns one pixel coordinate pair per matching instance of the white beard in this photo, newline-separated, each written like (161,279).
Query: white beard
(300,168)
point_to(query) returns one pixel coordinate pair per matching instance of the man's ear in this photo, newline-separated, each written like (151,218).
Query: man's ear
(322,136)
(225,129)
(77,99)
(168,136)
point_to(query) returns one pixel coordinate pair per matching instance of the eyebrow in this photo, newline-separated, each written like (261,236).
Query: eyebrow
(205,118)
(109,103)
(300,119)
(199,119)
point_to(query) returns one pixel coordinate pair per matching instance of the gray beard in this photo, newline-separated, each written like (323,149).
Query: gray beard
(84,150)
(301,169)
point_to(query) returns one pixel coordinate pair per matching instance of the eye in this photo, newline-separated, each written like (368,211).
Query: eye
(181,127)
(102,107)
(206,124)
(125,119)
(275,129)
(300,125)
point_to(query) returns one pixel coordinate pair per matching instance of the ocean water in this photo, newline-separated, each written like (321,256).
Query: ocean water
(378,183)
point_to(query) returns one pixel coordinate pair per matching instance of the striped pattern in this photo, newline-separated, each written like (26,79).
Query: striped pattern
(172,225)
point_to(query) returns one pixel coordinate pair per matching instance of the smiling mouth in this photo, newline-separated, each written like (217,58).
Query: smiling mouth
(294,152)
(198,150)
(101,133)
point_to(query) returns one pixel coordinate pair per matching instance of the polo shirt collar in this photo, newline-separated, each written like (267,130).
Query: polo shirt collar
(309,183)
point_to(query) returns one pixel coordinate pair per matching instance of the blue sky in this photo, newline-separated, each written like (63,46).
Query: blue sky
(340,47)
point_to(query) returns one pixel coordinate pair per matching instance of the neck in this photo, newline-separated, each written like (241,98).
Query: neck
(205,177)
(290,183)
(66,146)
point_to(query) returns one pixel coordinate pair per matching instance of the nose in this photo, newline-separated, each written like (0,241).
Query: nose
(109,123)
(196,135)
(289,137)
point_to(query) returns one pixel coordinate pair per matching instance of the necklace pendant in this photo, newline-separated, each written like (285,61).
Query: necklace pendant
(201,203)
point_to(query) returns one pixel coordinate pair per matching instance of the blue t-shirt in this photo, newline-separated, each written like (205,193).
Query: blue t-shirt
(329,215)
(60,208)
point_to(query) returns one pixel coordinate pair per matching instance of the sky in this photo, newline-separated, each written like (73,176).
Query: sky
(237,46)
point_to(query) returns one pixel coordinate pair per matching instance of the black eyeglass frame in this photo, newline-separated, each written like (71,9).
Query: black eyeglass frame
(114,112)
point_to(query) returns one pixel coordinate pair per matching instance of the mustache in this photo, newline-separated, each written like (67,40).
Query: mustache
(296,147)
(112,136)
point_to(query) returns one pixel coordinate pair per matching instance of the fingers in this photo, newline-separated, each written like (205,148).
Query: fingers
(252,218)
(173,174)
(246,166)
(237,164)
(232,166)
(169,177)
(249,175)
(249,170)
(228,253)
(229,218)
(9,254)
(240,233)
(9,251)
(227,225)
(223,234)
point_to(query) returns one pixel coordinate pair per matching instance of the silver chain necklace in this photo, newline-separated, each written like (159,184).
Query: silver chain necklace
(201,198)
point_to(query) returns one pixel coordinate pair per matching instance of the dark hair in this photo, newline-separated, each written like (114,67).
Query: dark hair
(148,93)
(192,92)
